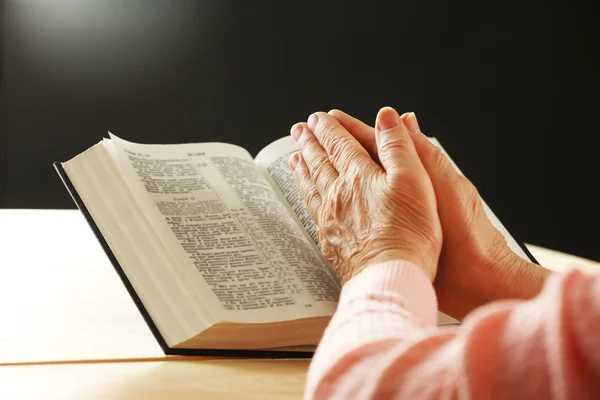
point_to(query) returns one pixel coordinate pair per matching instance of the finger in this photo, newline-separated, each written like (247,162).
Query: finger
(449,184)
(343,149)
(311,196)
(438,166)
(395,146)
(317,159)
(362,132)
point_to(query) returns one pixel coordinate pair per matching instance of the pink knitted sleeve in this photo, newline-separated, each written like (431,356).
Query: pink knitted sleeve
(383,342)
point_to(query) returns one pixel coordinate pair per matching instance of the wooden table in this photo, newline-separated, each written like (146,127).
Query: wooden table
(68,328)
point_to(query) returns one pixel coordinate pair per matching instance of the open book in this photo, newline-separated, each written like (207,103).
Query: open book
(216,248)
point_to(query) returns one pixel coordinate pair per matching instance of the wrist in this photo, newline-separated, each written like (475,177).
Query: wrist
(420,259)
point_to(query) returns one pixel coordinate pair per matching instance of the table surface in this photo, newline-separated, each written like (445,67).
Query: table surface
(69,325)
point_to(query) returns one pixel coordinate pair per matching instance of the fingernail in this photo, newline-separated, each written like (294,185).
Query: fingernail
(387,118)
(412,124)
(312,121)
(296,131)
(294,158)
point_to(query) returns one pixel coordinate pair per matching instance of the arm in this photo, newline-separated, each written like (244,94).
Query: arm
(383,343)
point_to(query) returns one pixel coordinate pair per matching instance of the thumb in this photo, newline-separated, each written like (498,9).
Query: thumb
(394,144)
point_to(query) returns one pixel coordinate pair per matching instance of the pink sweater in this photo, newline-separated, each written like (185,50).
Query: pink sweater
(383,342)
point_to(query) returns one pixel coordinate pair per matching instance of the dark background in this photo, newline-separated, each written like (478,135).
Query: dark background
(510,89)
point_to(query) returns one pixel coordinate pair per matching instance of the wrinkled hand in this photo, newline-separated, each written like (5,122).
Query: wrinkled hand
(367,213)
(476,265)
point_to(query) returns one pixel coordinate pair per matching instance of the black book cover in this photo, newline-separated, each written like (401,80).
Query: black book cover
(168,350)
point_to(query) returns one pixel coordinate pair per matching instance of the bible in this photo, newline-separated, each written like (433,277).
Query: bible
(215,247)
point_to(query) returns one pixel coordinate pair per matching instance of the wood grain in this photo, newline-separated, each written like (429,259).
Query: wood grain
(227,379)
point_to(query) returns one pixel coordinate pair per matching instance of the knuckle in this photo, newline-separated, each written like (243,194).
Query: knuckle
(336,146)
(327,132)
(324,118)
(467,187)
(440,163)
(299,180)
(329,254)
(320,173)
(318,164)
(314,204)
(307,141)
(302,172)
(469,199)
(312,200)
(437,157)
(310,195)
(395,144)
(340,148)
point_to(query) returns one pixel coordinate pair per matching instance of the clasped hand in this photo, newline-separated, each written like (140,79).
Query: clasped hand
(387,193)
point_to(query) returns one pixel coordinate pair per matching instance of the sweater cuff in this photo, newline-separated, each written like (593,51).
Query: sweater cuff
(399,280)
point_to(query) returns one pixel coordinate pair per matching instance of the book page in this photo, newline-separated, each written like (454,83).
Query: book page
(228,230)
(273,160)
